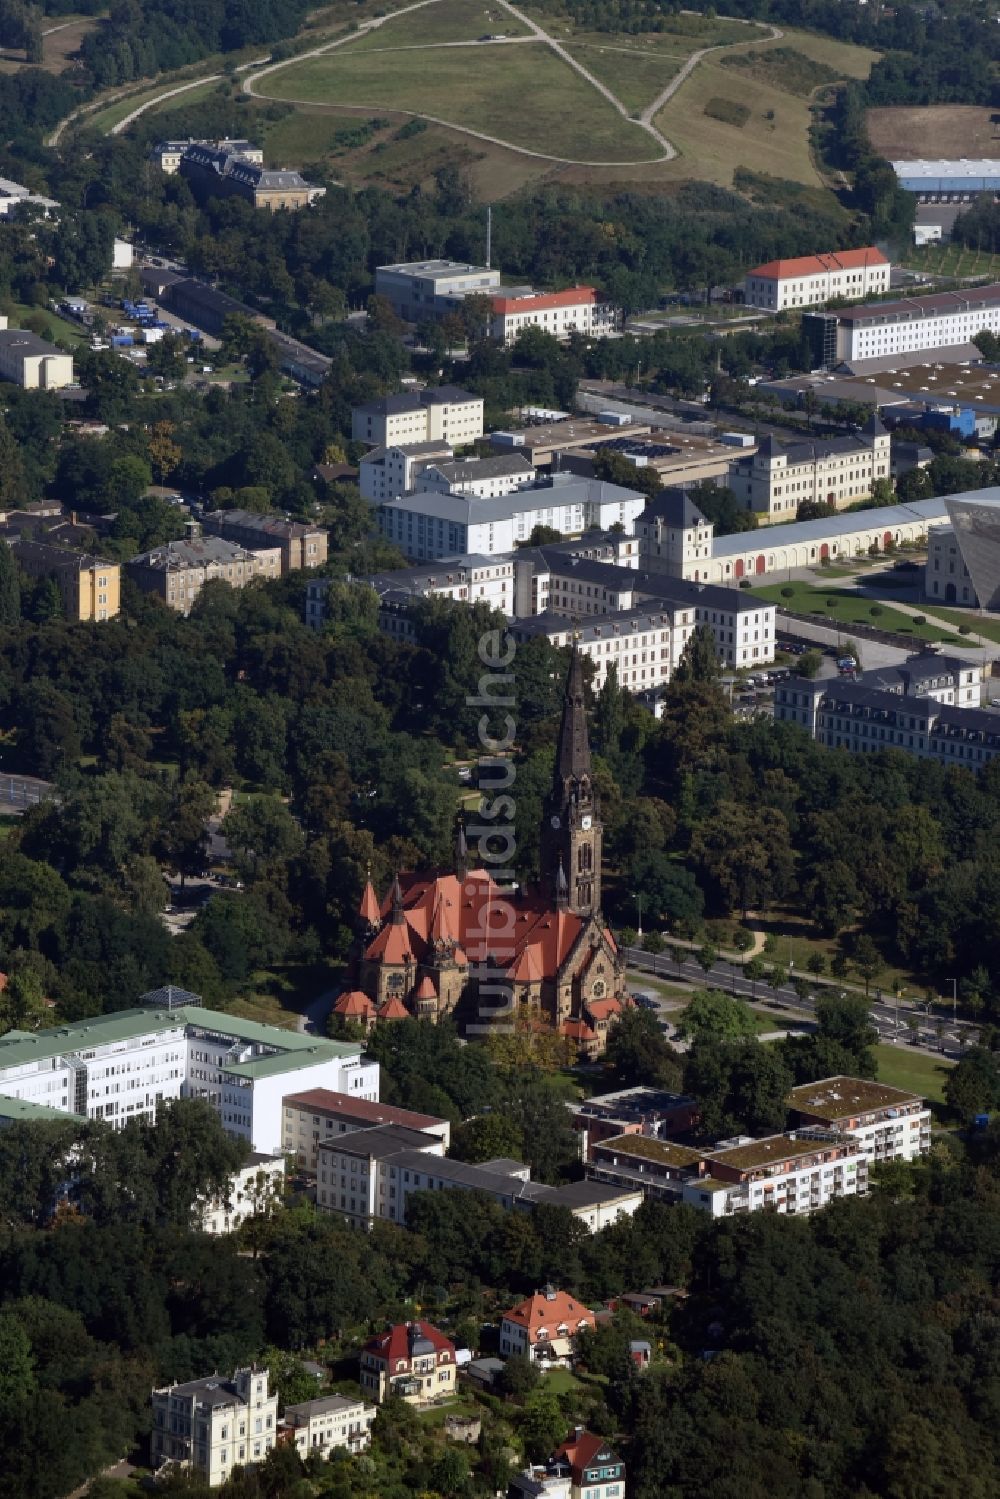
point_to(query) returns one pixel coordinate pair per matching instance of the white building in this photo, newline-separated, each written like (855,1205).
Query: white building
(941,679)
(351,1177)
(485,478)
(838,471)
(560,313)
(332,1421)
(213,1425)
(888,1124)
(122,255)
(814,280)
(643,644)
(252,1192)
(439,413)
(32,363)
(418,290)
(428,525)
(167,154)
(469,580)
(386,472)
(939,320)
(543,1326)
(946,576)
(796,1174)
(119,1067)
(863,720)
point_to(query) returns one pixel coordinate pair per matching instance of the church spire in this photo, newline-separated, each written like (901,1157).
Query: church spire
(398,916)
(571,828)
(461,853)
(573,752)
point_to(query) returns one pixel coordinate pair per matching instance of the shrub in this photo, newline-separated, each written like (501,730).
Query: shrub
(728,111)
(920,619)
(964,630)
(876,610)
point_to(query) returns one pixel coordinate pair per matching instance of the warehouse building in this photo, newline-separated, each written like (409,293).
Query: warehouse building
(32,363)
(948,181)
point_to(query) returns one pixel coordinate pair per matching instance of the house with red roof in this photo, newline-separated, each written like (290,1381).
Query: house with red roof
(543,1326)
(575,310)
(814,280)
(412,1360)
(464,943)
(595,1469)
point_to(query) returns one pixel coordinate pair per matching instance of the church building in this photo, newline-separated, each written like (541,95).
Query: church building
(460,943)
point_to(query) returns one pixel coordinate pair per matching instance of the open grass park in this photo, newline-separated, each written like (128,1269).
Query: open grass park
(459,67)
(843,607)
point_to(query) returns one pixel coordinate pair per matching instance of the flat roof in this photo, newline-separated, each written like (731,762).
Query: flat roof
(842,1097)
(15,1109)
(932,304)
(764,1152)
(342,1105)
(964,166)
(844,524)
(127,1025)
(664,1152)
(574,432)
(382,1140)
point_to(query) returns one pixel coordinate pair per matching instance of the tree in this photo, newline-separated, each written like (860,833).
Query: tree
(639,1054)
(700,658)
(10,589)
(867,959)
(711,1012)
(486,1138)
(809,663)
(973,1085)
(847,1022)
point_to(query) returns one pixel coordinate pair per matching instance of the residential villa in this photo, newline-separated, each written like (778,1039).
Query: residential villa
(412,1360)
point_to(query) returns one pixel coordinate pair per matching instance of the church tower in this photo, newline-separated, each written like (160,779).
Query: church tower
(571,823)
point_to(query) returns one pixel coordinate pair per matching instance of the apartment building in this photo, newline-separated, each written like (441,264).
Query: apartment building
(944,679)
(939,320)
(387,472)
(321,1427)
(642,644)
(467,579)
(485,478)
(428,525)
(631,1111)
(651,1164)
(352,1175)
(412,1361)
(887,1124)
(300,546)
(840,471)
(121,1066)
(315,1116)
(542,1327)
(854,717)
(252,1192)
(213,1425)
(90,587)
(177,571)
(560,313)
(439,413)
(32,363)
(674,537)
(796,1173)
(418,290)
(814,280)
(577,587)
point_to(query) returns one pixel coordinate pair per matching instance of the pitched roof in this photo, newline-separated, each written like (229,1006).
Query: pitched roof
(582,1450)
(425,989)
(400,1340)
(549,1308)
(817,265)
(573,296)
(393,1009)
(354,1005)
(573,751)
(369,908)
(343,1106)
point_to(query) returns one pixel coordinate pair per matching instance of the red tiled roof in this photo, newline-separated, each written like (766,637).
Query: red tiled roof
(426,989)
(581,1451)
(577,1030)
(572,297)
(325,1101)
(602,1009)
(354,1004)
(816,265)
(393,944)
(393,1009)
(369,905)
(394,1344)
(549,1311)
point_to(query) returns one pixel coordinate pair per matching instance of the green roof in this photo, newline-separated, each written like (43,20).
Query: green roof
(665,1152)
(22,1108)
(18,1049)
(319,1051)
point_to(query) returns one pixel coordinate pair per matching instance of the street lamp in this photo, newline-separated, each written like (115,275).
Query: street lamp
(954,1001)
(638,901)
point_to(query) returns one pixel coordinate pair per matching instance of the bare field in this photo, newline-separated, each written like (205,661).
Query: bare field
(931,131)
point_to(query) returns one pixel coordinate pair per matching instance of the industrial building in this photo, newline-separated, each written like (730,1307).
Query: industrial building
(421,289)
(32,363)
(948,181)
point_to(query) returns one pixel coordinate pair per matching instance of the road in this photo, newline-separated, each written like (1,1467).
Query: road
(730,977)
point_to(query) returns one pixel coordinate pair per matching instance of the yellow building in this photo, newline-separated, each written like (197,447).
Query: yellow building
(90,586)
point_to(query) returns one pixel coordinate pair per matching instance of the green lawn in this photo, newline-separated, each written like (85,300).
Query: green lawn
(682,34)
(443,21)
(951,260)
(73,333)
(902,1066)
(978,623)
(557,112)
(848,608)
(632,76)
